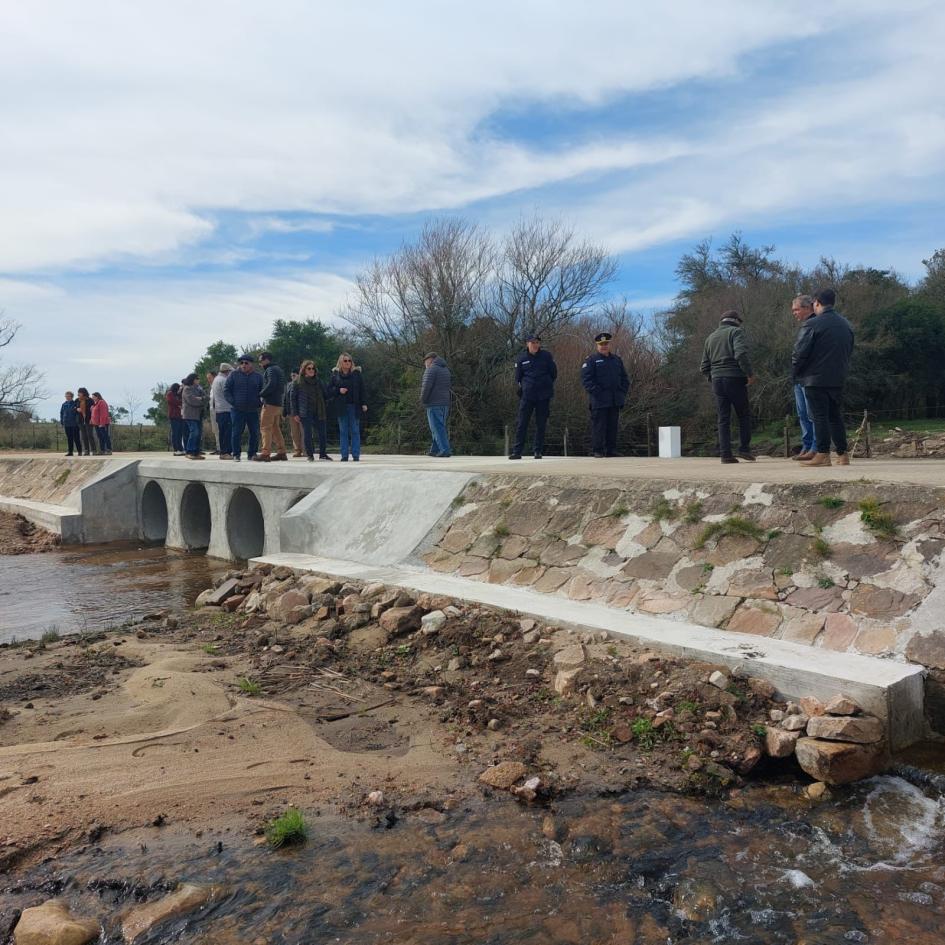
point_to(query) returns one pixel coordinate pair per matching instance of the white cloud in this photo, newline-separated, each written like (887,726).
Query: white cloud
(127,336)
(131,121)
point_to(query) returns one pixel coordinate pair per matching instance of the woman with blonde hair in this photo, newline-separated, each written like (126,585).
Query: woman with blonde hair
(347,386)
(307,406)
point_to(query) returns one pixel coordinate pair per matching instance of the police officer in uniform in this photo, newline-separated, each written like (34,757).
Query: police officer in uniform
(605,380)
(535,374)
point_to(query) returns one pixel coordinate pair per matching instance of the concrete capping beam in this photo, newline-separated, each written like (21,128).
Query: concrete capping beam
(891,690)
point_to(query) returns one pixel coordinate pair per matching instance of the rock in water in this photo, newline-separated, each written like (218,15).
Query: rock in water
(141,919)
(53,924)
(838,762)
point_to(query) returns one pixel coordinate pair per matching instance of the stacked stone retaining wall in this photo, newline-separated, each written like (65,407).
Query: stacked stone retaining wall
(797,562)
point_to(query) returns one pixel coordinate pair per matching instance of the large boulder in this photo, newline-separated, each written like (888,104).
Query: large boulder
(283,606)
(52,924)
(862,729)
(838,762)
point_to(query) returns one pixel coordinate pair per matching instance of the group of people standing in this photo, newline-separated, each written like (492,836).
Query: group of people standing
(243,399)
(86,420)
(819,366)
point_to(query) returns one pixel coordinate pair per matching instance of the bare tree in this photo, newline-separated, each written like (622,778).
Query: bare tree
(21,385)
(132,405)
(547,278)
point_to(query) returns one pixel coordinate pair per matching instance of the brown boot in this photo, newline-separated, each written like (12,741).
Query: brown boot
(820,459)
(843,459)
(804,454)
(280,457)
(260,458)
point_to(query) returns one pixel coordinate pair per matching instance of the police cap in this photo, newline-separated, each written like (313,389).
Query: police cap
(602,336)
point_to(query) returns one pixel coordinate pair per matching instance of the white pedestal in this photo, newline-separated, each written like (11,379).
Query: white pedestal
(670,443)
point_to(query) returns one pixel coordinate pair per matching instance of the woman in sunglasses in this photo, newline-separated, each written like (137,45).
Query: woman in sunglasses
(347,386)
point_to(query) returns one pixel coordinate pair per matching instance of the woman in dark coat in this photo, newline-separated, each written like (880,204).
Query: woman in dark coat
(178,427)
(307,398)
(347,386)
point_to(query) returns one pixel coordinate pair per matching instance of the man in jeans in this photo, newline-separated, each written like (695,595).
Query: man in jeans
(802,308)
(271,395)
(242,388)
(725,363)
(435,396)
(820,363)
(222,409)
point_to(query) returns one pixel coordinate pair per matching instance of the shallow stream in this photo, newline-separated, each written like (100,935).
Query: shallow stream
(765,866)
(94,587)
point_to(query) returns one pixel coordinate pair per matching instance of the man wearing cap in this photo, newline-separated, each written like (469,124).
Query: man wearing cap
(535,374)
(271,421)
(725,364)
(435,396)
(222,409)
(605,380)
(242,388)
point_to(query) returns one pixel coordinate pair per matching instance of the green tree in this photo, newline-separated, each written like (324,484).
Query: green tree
(216,353)
(158,413)
(293,342)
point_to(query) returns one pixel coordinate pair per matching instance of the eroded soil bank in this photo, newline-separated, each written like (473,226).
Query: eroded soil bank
(628,801)
(21,537)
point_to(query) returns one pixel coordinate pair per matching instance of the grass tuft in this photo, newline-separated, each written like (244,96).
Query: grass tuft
(248,687)
(50,634)
(880,523)
(693,512)
(831,502)
(644,733)
(287,830)
(501,530)
(209,648)
(618,511)
(664,510)
(733,525)
(821,547)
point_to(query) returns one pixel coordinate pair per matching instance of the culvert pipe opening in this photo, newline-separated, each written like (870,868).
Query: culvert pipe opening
(195,519)
(245,525)
(153,513)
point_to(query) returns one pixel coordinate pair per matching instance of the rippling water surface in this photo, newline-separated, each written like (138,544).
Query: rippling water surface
(763,867)
(96,586)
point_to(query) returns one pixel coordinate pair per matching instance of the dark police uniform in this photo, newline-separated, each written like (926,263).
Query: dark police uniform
(535,375)
(605,380)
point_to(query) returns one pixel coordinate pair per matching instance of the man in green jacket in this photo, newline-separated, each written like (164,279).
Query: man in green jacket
(725,363)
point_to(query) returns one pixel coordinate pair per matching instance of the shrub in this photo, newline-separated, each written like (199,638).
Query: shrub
(288,829)
(662,510)
(248,687)
(831,502)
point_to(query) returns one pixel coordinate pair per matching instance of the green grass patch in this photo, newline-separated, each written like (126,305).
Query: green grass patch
(209,648)
(62,477)
(733,525)
(687,705)
(288,829)
(458,500)
(760,730)
(825,583)
(50,634)
(831,502)
(880,523)
(618,511)
(643,733)
(403,649)
(821,547)
(501,530)
(693,513)
(664,510)
(248,686)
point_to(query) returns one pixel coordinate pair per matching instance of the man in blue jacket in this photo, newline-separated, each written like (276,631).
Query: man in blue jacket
(242,389)
(605,379)
(535,374)
(70,423)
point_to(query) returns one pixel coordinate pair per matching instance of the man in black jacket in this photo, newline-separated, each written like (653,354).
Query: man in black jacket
(535,374)
(819,364)
(271,395)
(605,379)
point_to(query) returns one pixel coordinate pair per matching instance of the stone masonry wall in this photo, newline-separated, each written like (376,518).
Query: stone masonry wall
(798,562)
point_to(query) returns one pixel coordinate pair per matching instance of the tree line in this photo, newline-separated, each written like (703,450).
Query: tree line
(473,297)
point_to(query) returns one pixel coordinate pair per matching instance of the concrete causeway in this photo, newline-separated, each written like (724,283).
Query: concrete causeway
(385,518)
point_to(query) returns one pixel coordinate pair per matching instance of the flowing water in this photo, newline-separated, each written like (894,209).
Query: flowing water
(97,586)
(763,867)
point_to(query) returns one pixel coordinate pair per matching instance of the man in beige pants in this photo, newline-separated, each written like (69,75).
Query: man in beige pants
(270,422)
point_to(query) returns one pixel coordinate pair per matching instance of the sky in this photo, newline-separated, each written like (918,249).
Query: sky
(176,173)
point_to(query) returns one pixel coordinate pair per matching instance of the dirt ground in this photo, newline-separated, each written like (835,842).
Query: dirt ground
(227,718)
(21,537)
